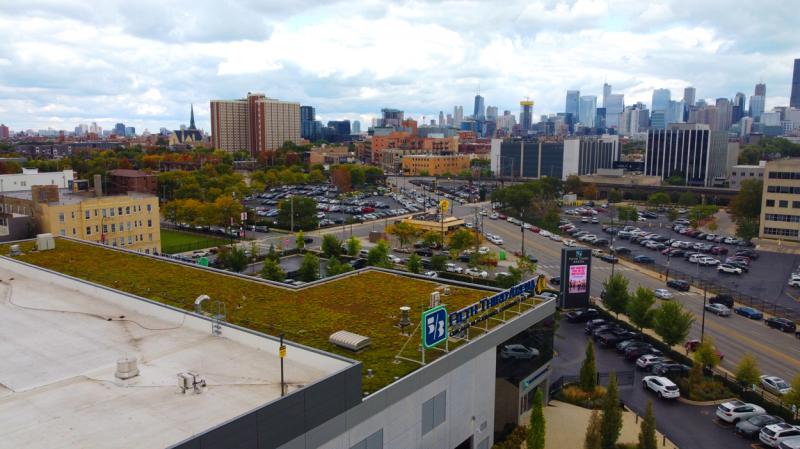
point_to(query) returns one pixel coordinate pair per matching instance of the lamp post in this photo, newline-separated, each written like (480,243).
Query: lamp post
(522,230)
(613,251)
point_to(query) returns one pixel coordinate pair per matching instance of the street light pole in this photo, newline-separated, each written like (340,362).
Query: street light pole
(522,230)
(703,321)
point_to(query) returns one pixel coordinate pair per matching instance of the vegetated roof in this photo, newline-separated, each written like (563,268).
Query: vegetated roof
(367,303)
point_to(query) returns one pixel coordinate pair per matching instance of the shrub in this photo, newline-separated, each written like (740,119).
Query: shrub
(574,395)
(704,390)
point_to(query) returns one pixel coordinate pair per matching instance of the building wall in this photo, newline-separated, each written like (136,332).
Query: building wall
(142,183)
(230,125)
(254,124)
(739,173)
(19,182)
(435,165)
(680,148)
(780,207)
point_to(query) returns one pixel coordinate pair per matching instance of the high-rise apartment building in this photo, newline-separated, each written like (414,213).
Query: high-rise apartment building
(680,150)
(761,89)
(780,207)
(587,110)
(307,116)
(794,98)
(525,115)
(4,132)
(738,109)
(689,94)
(479,111)
(255,123)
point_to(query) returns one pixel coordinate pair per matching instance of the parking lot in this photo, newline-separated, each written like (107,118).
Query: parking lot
(765,281)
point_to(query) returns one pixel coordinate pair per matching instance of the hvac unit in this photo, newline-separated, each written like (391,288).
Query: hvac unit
(349,340)
(45,242)
(126,368)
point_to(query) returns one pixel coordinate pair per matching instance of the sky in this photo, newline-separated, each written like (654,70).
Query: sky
(65,62)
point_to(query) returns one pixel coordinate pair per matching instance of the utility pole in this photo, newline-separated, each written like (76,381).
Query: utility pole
(703,322)
(282,354)
(522,230)
(291,202)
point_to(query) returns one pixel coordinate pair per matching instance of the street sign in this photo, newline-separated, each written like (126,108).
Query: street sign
(443,205)
(244,216)
(282,351)
(434,326)
(203,261)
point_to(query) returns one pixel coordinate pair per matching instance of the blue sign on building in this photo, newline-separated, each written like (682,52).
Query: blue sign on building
(434,326)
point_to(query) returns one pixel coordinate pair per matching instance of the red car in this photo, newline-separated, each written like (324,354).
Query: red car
(719,250)
(535,229)
(691,346)
(502,216)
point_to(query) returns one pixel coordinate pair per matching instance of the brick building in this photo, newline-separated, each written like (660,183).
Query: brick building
(121,181)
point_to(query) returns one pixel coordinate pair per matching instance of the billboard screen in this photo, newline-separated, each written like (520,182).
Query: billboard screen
(576,270)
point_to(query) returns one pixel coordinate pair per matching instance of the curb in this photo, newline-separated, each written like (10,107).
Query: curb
(702,403)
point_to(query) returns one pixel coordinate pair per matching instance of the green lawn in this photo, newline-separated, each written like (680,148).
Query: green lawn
(178,241)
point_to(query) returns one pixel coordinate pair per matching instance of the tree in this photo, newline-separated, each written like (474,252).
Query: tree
(672,214)
(792,398)
(614,196)
(588,373)
(336,267)
(461,239)
(309,268)
(615,293)
(590,192)
(432,239)
(305,213)
(687,199)
(414,263)
(272,254)
(705,355)
(627,213)
(640,309)
(537,426)
(353,246)
(438,262)
(611,421)
(672,323)
(378,255)
(404,232)
(513,278)
(331,246)
(746,228)
(573,184)
(647,432)
(658,199)
(712,225)
(593,438)
(747,372)
(226,211)
(272,271)
(747,203)
(233,258)
(300,240)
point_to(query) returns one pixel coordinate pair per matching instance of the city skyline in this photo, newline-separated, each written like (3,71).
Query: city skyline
(110,66)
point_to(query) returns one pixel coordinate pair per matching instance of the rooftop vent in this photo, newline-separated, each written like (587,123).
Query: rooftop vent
(191,382)
(349,340)
(404,316)
(15,251)
(435,299)
(126,368)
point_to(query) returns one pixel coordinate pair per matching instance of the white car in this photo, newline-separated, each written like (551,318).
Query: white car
(570,243)
(595,220)
(453,268)
(545,233)
(695,258)
(718,309)
(431,274)
(794,282)
(394,259)
(474,272)
(516,351)
(494,216)
(775,434)
(555,238)
(483,212)
(728,268)
(483,250)
(736,410)
(708,261)
(775,384)
(663,293)
(663,387)
(647,361)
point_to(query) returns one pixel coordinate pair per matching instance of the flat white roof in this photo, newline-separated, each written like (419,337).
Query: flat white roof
(59,352)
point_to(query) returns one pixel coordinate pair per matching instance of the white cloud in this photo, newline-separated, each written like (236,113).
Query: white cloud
(70,61)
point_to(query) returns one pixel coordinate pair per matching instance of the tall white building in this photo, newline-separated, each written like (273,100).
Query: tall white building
(458,115)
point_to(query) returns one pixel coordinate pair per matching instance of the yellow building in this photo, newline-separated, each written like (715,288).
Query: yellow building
(780,207)
(435,165)
(128,221)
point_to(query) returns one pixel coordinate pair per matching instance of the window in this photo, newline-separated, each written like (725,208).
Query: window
(62,232)
(128,210)
(104,212)
(783,217)
(105,229)
(73,215)
(88,230)
(113,227)
(110,211)
(150,236)
(95,212)
(434,412)
(119,211)
(781,232)
(61,217)
(374,441)
(96,228)
(74,231)
(795,204)
(770,203)
(87,214)
(149,223)
(149,207)
(783,203)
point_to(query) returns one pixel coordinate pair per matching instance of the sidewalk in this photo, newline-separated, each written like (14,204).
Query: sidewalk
(567,423)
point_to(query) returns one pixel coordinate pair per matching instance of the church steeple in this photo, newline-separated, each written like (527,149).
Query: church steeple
(191,120)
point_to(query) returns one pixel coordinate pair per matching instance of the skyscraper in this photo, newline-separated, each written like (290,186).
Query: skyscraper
(725,113)
(794,99)
(525,115)
(688,96)
(307,117)
(356,127)
(479,111)
(738,109)
(614,104)
(442,123)
(4,132)
(661,99)
(606,93)
(458,116)
(491,113)
(587,109)
(756,106)
(761,89)
(255,123)
(119,129)
(571,106)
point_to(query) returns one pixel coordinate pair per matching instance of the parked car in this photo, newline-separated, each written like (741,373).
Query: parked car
(633,353)
(749,428)
(662,293)
(476,273)
(610,258)
(647,361)
(592,324)
(729,269)
(774,434)
(734,411)
(644,259)
(453,268)
(518,352)
(582,315)
(678,284)
(781,324)
(793,443)
(726,300)
(749,253)
(622,250)
(691,346)
(718,309)
(749,312)
(661,386)
(671,370)
(775,385)
(431,274)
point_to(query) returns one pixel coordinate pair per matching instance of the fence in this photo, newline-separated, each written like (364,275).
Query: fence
(624,378)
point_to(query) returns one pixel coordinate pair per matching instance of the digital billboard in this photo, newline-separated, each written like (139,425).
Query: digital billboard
(576,270)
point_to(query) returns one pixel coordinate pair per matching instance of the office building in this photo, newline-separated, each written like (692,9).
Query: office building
(129,221)
(761,89)
(525,115)
(479,110)
(738,110)
(356,127)
(572,103)
(606,93)
(341,127)
(5,134)
(130,131)
(458,116)
(391,118)
(442,122)
(587,110)
(658,119)
(308,117)
(756,107)
(745,126)
(255,124)
(780,207)
(724,113)
(348,383)
(680,150)
(615,105)
(20,182)
(491,113)
(435,164)
(794,98)
(119,130)
(739,173)
(689,94)
(585,155)
(661,98)
(674,113)
(527,158)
